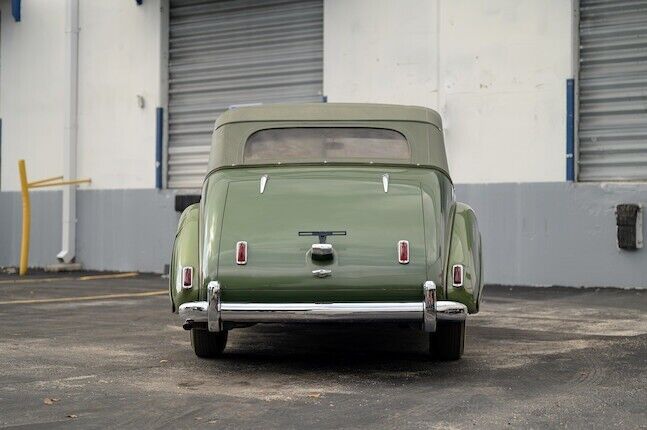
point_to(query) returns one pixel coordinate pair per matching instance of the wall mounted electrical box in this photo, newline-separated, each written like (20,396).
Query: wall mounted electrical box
(629,219)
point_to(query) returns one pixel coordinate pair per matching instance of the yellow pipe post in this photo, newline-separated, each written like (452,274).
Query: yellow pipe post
(42,181)
(39,184)
(26,217)
(26,206)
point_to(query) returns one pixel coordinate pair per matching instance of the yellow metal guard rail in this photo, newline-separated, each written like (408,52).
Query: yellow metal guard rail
(26,206)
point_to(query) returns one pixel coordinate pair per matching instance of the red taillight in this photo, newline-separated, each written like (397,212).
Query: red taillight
(241,252)
(403,252)
(457,275)
(187,277)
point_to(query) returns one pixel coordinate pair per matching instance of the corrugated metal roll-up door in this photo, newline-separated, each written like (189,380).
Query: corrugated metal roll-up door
(613,90)
(224,53)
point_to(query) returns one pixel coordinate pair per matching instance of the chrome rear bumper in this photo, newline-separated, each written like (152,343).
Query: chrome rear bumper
(214,312)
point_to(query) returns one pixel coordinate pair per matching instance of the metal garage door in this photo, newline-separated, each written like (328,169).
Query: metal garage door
(224,53)
(613,90)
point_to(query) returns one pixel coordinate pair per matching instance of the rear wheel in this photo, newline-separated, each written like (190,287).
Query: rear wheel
(207,344)
(448,341)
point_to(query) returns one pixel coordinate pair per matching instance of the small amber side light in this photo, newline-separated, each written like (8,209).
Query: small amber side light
(457,275)
(187,277)
(241,252)
(403,252)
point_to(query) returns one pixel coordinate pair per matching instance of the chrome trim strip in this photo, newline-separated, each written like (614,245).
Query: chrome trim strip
(321,273)
(193,311)
(263,183)
(429,308)
(214,306)
(214,312)
(312,312)
(450,311)
(385,182)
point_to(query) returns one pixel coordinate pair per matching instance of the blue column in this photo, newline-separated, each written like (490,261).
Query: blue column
(570,128)
(159,130)
(15,10)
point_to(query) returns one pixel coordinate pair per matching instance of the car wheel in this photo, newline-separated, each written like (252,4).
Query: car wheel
(447,342)
(207,344)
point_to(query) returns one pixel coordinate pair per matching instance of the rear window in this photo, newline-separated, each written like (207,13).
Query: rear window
(320,143)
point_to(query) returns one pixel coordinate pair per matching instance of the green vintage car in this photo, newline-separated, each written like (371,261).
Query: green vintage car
(327,213)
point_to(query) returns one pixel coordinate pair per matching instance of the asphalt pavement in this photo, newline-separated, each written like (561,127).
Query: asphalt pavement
(107,353)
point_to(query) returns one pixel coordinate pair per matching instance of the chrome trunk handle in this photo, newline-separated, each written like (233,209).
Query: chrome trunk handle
(321,273)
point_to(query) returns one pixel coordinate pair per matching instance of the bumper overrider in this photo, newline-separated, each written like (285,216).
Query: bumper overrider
(214,312)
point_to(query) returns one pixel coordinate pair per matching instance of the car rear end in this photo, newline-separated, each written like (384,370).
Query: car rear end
(327,212)
(324,244)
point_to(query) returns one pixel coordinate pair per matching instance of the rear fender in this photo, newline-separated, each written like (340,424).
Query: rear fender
(185,254)
(465,249)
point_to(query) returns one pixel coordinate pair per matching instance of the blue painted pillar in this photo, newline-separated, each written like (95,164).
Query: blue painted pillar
(570,129)
(159,130)
(15,10)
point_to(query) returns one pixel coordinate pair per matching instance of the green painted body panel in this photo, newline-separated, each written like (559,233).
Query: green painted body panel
(365,260)
(185,253)
(308,195)
(351,198)
(466,250)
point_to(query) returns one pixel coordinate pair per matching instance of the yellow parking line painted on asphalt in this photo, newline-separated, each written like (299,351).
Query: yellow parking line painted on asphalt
(85,298)
(112,276)
(34,280)
(82,278)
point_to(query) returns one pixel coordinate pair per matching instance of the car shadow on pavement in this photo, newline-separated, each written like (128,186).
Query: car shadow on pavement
(352,350)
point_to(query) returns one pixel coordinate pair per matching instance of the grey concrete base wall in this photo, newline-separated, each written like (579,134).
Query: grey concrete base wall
(555,233)
(117,229)
(45,227)
(533,234)
(125,229)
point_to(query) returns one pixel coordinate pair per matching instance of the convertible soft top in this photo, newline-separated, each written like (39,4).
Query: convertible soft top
(421,127)
(330,112)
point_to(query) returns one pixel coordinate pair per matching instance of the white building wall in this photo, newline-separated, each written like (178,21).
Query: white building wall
(31,90)
(381,51)
(119,59)
(495,69)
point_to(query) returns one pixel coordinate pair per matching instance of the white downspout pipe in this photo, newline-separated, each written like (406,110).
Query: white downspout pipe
(68,250)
